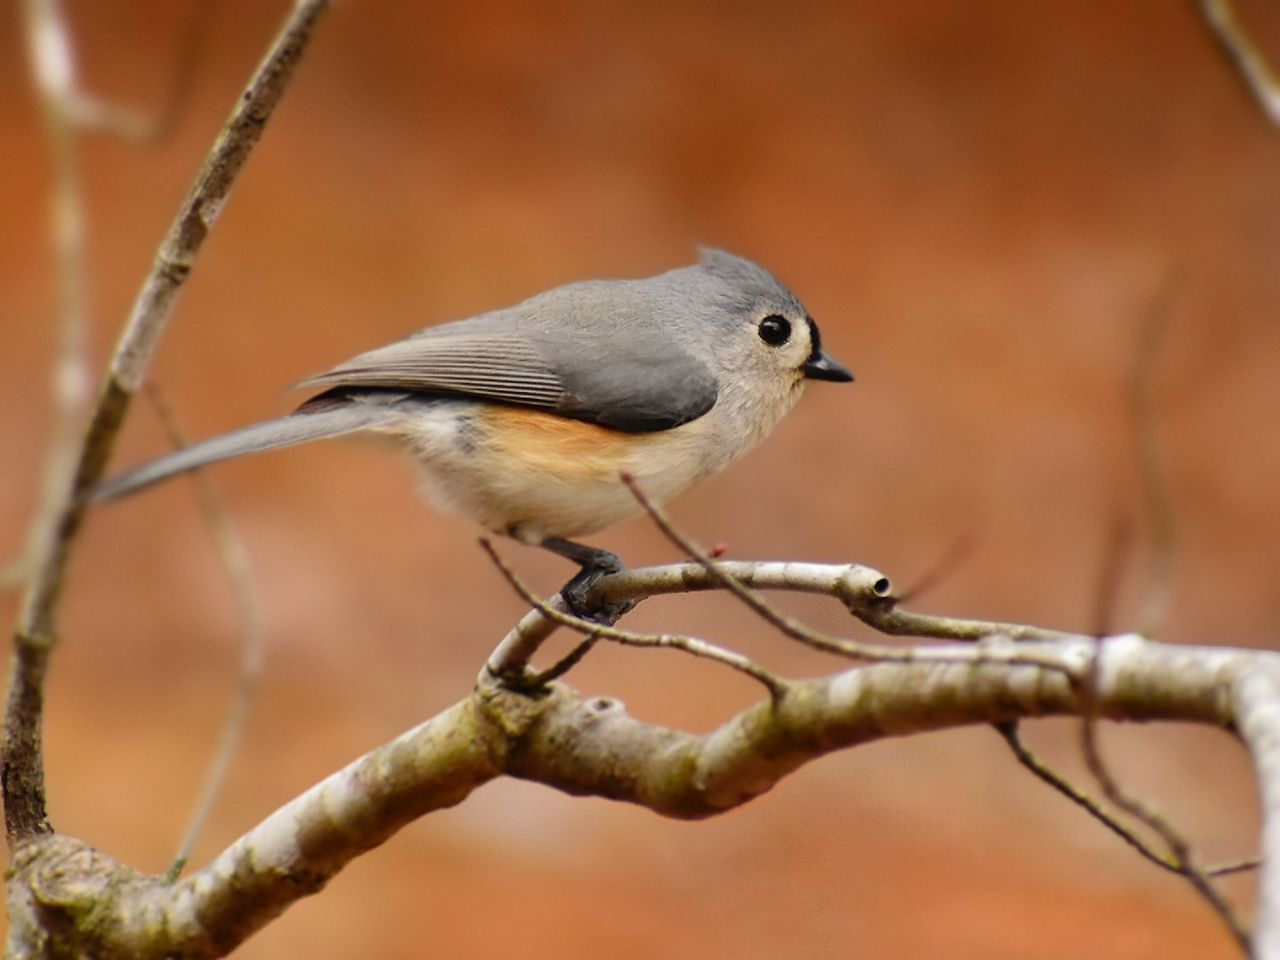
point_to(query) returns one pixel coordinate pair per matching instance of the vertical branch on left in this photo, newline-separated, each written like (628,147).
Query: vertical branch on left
(22,770)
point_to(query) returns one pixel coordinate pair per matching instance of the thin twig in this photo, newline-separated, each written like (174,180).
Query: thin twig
(566,663)
(1243,865)
(1026,757)
(692,645)
(236,562)
(1249,60)
(36,634)
(1181,857)
(1180,849)
(876,612)
(943,567)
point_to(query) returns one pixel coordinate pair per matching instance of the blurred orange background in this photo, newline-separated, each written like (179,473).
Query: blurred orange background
(978,202)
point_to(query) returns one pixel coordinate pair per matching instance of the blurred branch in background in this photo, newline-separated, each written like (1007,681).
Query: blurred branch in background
(1157,499)
(80,463)
(249,612)
(69,110)
(53,73)
(1248,58)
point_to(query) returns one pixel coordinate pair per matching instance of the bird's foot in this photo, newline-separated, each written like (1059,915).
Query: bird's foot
(596,564)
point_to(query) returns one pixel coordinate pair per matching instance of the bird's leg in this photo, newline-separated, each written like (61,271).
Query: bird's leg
(595,563)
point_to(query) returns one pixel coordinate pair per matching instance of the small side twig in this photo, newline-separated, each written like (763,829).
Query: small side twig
(236,561)
(1037,766)
(956,551)
(874,612)
(562,666)
(1180,849)
(691,645)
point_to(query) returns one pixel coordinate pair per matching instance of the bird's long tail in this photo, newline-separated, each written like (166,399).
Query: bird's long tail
(285,432)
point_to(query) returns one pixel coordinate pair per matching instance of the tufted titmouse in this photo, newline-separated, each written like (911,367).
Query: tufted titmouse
(524,419)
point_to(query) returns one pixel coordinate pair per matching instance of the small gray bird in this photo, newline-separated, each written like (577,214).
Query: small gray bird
(524,419)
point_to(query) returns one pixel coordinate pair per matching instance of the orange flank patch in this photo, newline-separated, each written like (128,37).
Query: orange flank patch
(559,445)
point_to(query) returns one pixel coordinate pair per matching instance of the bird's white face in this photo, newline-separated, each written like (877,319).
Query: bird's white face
(776,343)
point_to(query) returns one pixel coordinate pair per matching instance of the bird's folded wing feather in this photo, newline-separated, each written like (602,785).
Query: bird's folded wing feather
(619,371)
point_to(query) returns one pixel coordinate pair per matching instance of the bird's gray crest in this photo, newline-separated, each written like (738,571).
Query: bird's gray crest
(748,286)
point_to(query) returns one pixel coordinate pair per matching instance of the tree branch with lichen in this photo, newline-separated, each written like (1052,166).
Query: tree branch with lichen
(586,745)
(67,898)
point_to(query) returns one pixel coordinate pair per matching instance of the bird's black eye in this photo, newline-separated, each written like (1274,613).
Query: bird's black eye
(775,330)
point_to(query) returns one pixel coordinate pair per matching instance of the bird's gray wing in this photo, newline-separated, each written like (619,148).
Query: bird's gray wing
(559,352)
(494,366)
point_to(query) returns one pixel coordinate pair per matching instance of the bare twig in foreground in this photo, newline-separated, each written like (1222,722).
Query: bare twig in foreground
(691,645)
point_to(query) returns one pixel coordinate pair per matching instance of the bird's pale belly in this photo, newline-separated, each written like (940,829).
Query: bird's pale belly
(535,475)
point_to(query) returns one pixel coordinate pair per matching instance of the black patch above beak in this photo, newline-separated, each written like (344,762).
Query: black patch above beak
(819,366)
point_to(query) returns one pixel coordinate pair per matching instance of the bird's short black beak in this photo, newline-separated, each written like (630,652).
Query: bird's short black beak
(819,366)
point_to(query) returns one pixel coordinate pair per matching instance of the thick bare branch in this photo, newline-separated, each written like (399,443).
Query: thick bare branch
(587,746)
